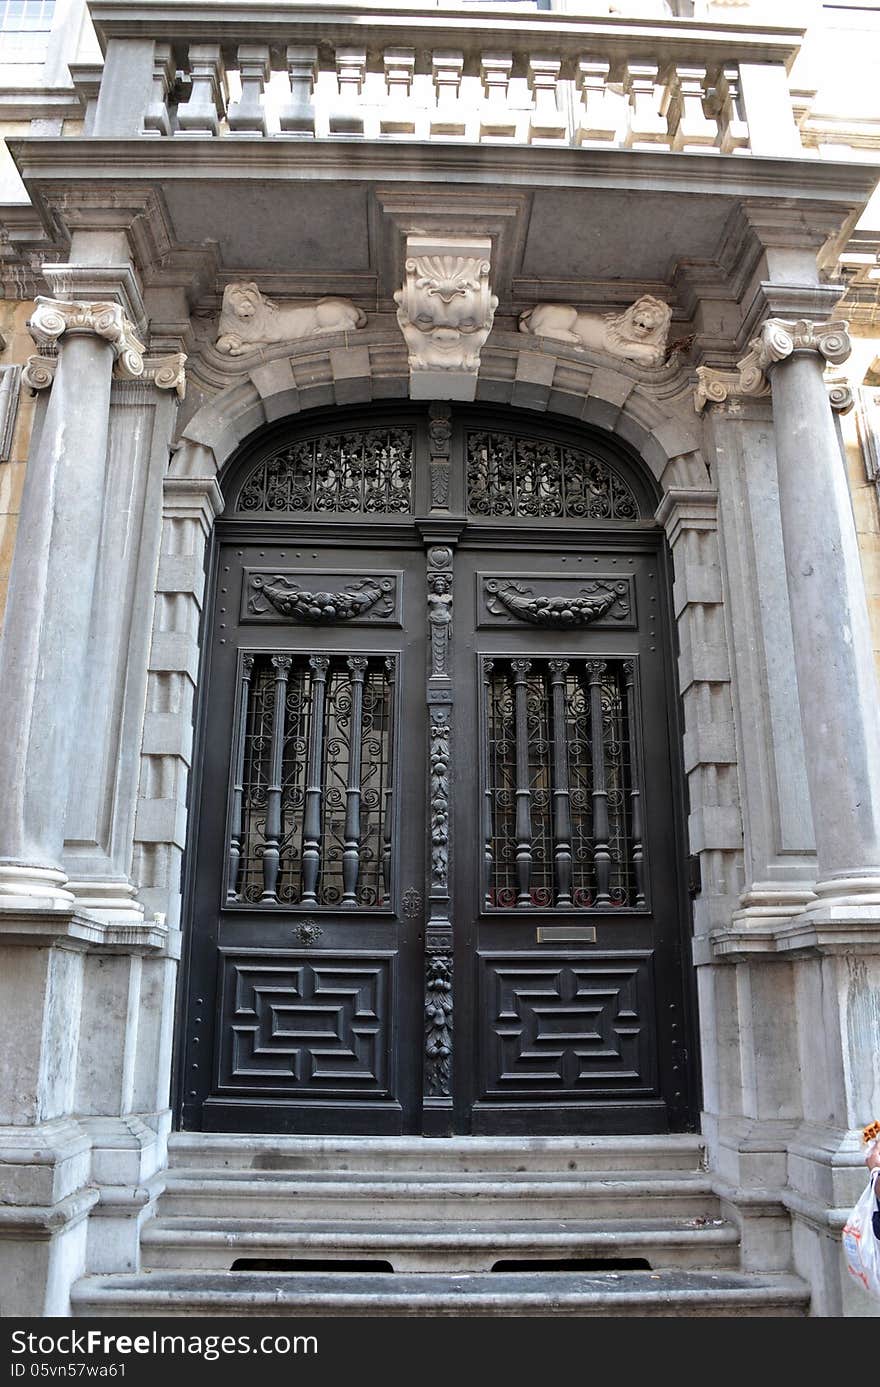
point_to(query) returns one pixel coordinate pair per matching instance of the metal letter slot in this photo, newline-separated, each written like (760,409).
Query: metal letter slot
(563,934)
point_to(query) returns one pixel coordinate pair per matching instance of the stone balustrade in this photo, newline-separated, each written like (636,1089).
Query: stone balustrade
(545,79)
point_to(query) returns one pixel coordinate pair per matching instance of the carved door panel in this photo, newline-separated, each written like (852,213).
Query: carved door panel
(306,971)
(569,991)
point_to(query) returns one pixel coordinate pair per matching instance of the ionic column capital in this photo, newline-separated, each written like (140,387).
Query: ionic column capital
(778,339)
(717,387)
(168,372)
(52,318)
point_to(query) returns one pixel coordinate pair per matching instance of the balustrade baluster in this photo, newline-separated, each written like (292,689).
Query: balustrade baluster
(546,122)
(298,115)
(645,125)
(523,828)
(157,119)
(347,118)
(272,846)
(598,123)
(207,104)
(248,115)
(686,119)
(351,851)
(236,826)
(496,120)
(601,849)
(398,118)
(561,791)
(311,853)
(448,118)
(733,129)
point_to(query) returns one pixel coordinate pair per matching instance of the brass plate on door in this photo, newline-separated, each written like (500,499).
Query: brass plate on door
(564,934)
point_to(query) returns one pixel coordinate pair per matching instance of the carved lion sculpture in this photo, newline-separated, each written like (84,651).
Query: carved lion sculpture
(248,320)
(638,334)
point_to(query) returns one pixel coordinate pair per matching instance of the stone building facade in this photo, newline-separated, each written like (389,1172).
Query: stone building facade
(435,303)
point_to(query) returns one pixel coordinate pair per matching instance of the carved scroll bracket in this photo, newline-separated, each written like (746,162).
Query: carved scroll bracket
(445,310)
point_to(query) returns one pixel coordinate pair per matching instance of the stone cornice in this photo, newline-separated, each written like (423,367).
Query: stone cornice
(242,20)
(44,162)
(52,318)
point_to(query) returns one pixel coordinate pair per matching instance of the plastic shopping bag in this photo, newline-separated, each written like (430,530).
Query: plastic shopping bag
(860,1244)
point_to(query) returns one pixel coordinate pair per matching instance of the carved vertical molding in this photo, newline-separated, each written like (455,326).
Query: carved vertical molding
(437,1086)
(440,433)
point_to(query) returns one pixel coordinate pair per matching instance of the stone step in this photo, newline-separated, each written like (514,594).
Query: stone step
(215,1243)
(200,1151)
(307,1294)
(388,1196)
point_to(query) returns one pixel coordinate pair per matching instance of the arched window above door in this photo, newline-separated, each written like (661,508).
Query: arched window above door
(476,462)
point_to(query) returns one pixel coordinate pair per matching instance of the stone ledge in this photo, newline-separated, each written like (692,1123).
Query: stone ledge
(32,925)
(37,1223)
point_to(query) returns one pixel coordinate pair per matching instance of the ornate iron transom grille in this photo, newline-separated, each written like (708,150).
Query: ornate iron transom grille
(562,802)
(363,473)
(310,815)
(507,475)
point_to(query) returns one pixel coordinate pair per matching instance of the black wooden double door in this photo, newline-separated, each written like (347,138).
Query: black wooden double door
(437,881)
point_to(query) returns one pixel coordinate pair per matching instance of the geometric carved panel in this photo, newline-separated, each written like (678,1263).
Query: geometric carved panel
(306,1027)
(556,1027)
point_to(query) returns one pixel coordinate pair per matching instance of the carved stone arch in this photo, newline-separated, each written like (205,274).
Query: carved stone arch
(650,410)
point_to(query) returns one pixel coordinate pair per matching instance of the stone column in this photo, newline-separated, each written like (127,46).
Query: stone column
(43,674)
(832,644)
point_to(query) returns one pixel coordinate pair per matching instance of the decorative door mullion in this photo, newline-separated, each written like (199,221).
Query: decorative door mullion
(351,850)
(311,854)
(437,1083)
(635,794)
(236,824)
(272,847)
(601,847)
(523,792)
(561,793)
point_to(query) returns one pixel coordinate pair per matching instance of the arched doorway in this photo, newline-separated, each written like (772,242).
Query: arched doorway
(437,862)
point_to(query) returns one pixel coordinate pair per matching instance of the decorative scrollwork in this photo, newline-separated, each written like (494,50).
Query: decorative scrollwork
(593,602)
(367,472)
(509,475)
(438,1024)
(315,607)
